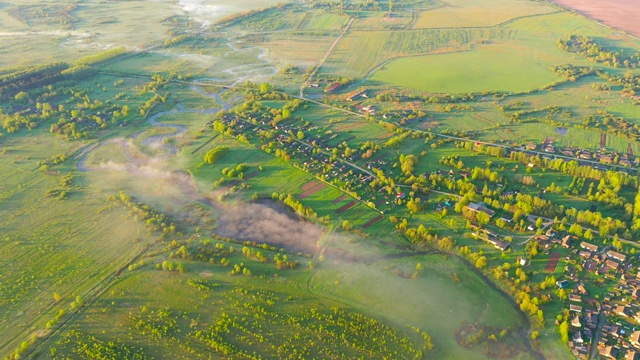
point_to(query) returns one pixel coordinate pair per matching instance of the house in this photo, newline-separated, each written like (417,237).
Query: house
(610,352)
(531,146)
(585,155)
(585,254)
(605,159)
(575,321)
(333,87)
(581,289)
(562,284)
(635,293)
(631,355)
(635,338)
(616,255)
(356,95)
(541,238)
(590,265)
(575,298)
(577,337)
(621,310)
(481,207)
(625,162)
(566,241)
(590,247)
(500,245)
(612,265)
(575,308)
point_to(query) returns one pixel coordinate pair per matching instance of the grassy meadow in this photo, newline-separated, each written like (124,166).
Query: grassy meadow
(478,13)
(487,68)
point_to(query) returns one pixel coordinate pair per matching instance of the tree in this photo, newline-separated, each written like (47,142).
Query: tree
(57,297)
(347,225)
(564,331)
(539,222)
(483,218)
(300,135)
(265,88)
(22,96)
(588,234)
(481,262)
(616,242)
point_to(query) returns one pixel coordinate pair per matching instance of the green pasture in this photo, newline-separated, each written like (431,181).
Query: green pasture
(322,21)
(360,52)
(65,246)
(559,24)
(301,50)
(487,68)
(478,13)
(378,20)
(272,20)
(433,301)
(265,304)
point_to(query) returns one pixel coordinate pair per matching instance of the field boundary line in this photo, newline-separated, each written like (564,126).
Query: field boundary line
(326,56)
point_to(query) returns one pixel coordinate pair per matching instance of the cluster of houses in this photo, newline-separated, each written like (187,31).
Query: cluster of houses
(613,320)
(602,156)
(620,338)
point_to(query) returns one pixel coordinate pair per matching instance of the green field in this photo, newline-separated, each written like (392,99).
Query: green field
(487,68)
(476,13)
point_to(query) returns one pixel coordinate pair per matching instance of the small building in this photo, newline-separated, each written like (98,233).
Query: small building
(575,308)
(610,352)
(577,337)
(566,241)
(605,159)
(575,298)
(588,246)
(631,355)
(634,339)
(581,289)
(585,254)
(616,255)
(332,88)
(500,245)
(612,265)
(624,311)
(481,207)
(575,321)
(356,95)
(562,284)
